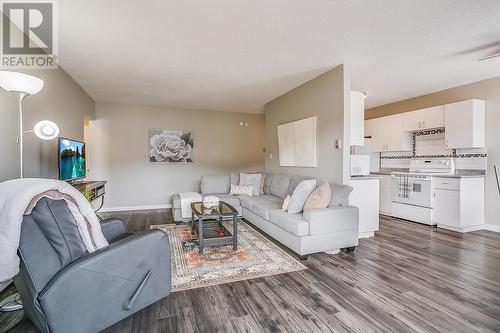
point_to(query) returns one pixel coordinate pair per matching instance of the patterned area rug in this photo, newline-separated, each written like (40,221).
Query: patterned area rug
(256,257)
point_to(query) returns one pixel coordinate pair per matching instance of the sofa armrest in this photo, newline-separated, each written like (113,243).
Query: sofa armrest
(332,219)
(109,278)
(113,228)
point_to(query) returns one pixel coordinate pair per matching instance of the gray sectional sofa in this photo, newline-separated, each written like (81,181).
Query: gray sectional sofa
(314,230)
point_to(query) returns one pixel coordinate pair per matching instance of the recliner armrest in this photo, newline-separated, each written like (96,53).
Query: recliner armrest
(113,228)
(332,219)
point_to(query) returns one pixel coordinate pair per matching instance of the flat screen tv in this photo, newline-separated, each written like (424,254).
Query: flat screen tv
(71,159)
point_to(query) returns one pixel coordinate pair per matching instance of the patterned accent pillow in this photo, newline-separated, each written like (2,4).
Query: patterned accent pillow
(251,179)
(300,195)
(319,198)
(286,202)
(241,190)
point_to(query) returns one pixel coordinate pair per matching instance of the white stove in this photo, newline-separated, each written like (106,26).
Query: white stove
(412,192)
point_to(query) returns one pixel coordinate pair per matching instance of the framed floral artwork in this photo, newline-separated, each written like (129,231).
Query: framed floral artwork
(170,145)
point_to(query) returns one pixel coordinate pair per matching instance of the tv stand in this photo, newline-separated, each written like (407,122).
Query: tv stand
(92,190)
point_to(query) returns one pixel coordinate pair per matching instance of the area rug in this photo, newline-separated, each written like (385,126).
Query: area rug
(256,257)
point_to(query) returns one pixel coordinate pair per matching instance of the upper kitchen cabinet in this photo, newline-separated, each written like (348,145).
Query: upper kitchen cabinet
(357,118)
(368,127)
(424,119)
(388,135)
(465,124)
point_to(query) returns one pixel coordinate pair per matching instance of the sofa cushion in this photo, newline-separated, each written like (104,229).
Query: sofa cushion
(229,199)
(294,181)
(261,205)
(251,179)
(267,182)
(340,195)
(279,186)
(263,208)
(215,184)
(247,201)
(292,223)
(319,198)
(300,195)
(235,178)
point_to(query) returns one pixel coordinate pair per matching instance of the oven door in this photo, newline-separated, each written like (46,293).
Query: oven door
(417,191)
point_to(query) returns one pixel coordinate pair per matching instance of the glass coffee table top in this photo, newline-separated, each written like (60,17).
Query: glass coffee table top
(223,209)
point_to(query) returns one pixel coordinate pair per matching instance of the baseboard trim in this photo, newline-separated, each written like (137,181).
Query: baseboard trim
(367,234)
(491,227)
(128,208)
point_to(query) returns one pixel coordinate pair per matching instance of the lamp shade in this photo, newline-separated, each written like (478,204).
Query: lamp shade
(46,130)
(19,82)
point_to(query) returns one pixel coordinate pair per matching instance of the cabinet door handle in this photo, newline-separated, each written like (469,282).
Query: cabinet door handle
(419,124)
(424,124)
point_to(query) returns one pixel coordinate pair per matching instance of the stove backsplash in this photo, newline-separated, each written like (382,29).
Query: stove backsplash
(430,144)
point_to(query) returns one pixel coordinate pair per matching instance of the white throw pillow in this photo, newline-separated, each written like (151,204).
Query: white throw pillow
(241,190)
(251,179)
(284,207)
(300,195)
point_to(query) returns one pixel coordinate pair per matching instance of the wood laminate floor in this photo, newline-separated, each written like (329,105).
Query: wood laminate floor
(408,278)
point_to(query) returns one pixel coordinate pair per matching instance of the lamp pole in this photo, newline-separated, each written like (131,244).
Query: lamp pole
(20,98)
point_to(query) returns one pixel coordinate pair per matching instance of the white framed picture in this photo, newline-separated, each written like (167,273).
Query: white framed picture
(297,143)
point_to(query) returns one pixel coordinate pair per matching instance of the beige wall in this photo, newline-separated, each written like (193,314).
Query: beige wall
(119,151)
(327,98)
(489,90)
(61,100)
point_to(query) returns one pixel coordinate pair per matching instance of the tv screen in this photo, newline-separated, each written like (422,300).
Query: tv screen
(71,159)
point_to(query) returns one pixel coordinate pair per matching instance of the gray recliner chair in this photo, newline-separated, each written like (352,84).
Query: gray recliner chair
(65,289)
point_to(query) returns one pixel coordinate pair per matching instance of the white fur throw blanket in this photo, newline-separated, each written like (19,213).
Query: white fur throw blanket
(186,199)
(17,195)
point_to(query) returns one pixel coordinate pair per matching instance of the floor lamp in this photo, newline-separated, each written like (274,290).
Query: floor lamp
(23,85)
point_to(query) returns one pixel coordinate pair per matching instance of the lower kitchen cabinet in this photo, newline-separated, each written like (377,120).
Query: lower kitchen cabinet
(385,195)
(459,203)
(365,196)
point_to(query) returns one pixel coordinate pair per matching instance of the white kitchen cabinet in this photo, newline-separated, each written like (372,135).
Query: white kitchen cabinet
(459,203)
(385,195)
(388,135)
(357,121)
(368,127)
(424,119)
(365,196)
(465,124)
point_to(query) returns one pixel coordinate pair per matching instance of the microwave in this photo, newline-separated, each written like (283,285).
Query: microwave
(360,165)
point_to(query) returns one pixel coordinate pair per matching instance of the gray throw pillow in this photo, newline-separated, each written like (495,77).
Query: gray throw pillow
(300,195)
(251,179)
(340,195)
(215,184)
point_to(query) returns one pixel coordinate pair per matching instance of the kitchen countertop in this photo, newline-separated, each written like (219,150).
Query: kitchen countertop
(463,175)
(371,176)
(457,174)
(387,172)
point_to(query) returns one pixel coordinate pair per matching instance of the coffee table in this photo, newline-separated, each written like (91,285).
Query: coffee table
(207,224)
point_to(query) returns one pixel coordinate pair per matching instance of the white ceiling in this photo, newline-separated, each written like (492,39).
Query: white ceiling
(236,55)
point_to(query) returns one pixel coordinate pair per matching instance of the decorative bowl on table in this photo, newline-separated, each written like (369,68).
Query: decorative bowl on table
(210,201)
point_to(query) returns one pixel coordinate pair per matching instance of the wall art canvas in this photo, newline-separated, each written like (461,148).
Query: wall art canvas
(170,145)
(297,143)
